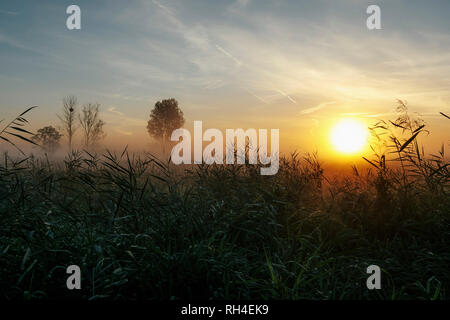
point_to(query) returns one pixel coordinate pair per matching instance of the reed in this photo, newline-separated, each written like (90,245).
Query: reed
(141,229)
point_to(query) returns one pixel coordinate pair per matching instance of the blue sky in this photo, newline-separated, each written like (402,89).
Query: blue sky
(293,65)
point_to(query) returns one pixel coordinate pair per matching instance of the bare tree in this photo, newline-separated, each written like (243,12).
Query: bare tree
(91,124)
(68,118)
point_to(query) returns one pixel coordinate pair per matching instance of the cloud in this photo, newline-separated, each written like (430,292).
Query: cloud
(14,43)
(242,3)
(195,35)
(238,6)
(166,9)
(317,108)
(321,62)
(17,44)
(208,55)
(113,110)
(121,123)
(287,96)
(9,13)
(229,55)
(257,97)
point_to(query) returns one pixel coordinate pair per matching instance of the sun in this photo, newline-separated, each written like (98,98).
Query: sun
(349,136)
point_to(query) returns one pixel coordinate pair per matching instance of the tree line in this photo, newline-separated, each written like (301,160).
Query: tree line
(165,117)
(88,120)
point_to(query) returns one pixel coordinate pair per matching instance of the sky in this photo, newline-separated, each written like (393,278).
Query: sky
(298,66)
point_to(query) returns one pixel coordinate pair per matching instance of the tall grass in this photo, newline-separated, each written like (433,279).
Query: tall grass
(140,229)
(15,130)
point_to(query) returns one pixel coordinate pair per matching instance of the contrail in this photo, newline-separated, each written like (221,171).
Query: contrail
(287,96)
(229,55)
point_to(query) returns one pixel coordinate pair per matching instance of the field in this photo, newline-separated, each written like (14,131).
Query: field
(140,228)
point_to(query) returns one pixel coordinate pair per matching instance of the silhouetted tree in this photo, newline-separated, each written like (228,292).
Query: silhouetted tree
(48,137)
(165,117)
(91,124)
(68,118)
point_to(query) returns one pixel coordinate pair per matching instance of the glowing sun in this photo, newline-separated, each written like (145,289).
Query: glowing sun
(349,136)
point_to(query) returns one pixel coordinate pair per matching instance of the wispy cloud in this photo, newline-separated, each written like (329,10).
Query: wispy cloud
(121,123)
(317,108)
(229,55)
(166,9)
(257,97)
(113,110)
(10,13)
(238,5)
(22,45)
(287,96)
(243,54)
